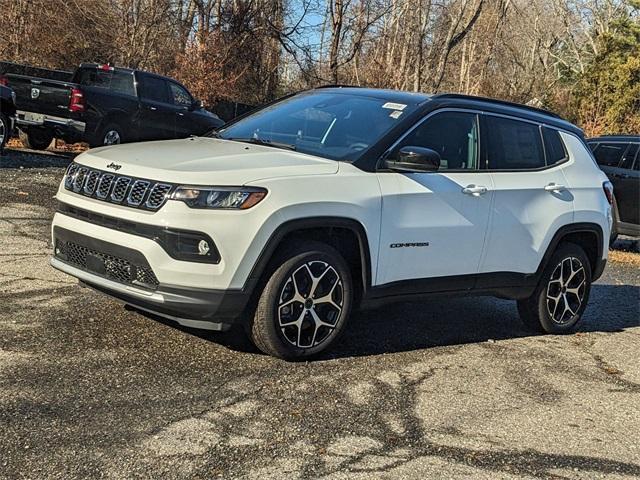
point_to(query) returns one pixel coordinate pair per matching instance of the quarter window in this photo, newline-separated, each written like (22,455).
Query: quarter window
(609,154)
(553,146)
(454,135)
(513,145)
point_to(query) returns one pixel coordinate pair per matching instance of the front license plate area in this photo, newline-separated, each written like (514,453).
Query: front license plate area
(96,264)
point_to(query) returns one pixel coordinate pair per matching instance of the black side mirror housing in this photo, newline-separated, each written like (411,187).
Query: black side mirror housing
(414,159)
(197,104)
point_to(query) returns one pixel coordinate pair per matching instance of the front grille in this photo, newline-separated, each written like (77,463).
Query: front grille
(120,189)
(105,265)
(137,193)
(106,186)
(91,182)
(158,194)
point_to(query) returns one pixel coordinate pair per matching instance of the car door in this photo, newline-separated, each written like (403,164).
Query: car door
(157,113)
(434,223)
(182,101)
(626,185)
(532,199)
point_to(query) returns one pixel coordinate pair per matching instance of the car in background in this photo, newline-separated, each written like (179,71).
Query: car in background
(619,157)
(7,114)
(103,105)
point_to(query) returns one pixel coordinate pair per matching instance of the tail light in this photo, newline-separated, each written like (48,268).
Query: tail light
(608,191)
(76,102)
(4,81)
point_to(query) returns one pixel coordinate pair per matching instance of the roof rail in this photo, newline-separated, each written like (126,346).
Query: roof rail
(498,102)
(618,135)
(337,86)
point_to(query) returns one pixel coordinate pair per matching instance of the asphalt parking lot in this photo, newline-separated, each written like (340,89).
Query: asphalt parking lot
(449,388)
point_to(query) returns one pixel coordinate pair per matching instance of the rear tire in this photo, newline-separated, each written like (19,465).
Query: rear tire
(36,138)
(305,303)
(561,296)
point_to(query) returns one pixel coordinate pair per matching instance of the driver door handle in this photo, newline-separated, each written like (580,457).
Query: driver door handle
(475,190)
(554,187)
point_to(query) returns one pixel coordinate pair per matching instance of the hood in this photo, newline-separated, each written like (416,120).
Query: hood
(205,161)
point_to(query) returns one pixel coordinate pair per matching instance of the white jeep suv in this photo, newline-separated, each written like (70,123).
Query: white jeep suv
(288,218)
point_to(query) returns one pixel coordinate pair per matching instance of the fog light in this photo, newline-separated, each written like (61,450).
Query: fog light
(203,247)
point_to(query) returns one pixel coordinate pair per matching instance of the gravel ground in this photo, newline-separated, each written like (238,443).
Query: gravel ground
(449,388)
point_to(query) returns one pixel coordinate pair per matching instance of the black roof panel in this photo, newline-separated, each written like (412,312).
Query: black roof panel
(615,138)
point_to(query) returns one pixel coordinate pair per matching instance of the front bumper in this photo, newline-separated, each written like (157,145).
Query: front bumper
(125,274)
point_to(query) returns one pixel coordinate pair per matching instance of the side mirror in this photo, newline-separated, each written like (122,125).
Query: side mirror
(415,159)
(197,104)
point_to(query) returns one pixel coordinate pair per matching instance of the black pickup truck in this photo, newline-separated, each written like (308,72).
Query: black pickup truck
(102,105)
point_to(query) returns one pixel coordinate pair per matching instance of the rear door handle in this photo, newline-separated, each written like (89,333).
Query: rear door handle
(475,190)
(153,108)
(554,187)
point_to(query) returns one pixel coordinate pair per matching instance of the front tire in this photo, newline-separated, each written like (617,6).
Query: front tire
(561,296)
(305,303)
(36,138)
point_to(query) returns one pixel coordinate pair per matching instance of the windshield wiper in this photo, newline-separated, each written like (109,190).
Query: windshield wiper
(260,141)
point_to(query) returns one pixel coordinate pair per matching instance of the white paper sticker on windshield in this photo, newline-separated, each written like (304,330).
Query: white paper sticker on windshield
(394,106)
(395,114)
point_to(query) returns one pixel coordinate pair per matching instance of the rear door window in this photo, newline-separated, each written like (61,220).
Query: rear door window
(513,144)
(154,89)
(609,154)
(112,80)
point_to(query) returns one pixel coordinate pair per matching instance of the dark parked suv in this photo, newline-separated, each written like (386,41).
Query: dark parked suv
(619,157)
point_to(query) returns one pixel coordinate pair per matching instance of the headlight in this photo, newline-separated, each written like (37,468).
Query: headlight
(239,198)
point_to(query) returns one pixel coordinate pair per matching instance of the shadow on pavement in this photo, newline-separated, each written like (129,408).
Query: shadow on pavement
(21,158)
(441,322)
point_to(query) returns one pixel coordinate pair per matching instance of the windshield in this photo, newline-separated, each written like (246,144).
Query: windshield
(333,125)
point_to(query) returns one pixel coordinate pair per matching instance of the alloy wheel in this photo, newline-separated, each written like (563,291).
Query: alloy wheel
(310,304)
(565,290)
(3,131)
(112,137)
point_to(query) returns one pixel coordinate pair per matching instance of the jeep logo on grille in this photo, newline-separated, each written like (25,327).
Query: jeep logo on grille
(114,166)
(35,93)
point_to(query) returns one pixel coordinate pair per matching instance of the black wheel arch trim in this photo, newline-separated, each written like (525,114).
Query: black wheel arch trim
(582,227)
(302,224)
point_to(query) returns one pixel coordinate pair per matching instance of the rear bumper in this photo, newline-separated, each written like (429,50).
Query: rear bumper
(195,308)
(61,124)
